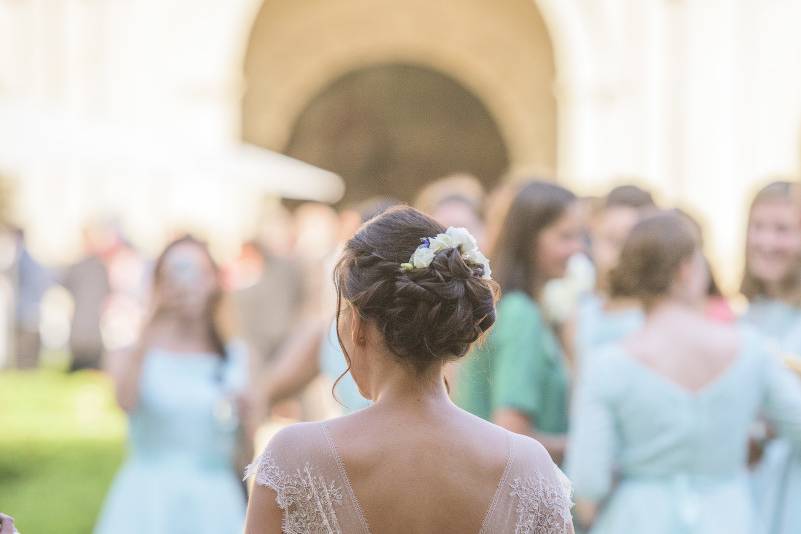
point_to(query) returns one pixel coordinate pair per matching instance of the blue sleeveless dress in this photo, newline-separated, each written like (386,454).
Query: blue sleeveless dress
(179,476)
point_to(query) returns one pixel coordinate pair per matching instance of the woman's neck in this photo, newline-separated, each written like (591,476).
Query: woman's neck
(669,309)
(397,386)
(537,288)
(774,291)
(182,334)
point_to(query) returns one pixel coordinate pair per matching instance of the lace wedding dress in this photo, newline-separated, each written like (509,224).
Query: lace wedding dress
(302,465)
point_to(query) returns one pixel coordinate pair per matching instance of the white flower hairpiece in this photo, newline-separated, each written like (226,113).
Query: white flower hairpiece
(458,238)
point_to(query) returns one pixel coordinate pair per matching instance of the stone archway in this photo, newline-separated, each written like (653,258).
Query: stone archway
(499,51)
(389,129)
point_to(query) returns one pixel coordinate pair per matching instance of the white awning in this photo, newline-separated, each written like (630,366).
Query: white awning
(48,140)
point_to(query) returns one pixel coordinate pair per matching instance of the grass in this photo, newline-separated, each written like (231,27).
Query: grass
(61,442)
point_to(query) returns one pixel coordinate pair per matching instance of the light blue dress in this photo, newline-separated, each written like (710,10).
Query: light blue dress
(772,318)
(596,327)
(663,460)
(777,477)
(179,477)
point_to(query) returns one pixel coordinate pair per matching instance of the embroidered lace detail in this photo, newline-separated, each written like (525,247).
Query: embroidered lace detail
(308,501)
(542,507)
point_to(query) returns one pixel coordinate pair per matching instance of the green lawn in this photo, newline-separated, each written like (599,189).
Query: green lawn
(61,441)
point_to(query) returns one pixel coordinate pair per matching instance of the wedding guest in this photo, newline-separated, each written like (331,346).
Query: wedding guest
(772,285)
(180,385)
(518,378)
(660,437)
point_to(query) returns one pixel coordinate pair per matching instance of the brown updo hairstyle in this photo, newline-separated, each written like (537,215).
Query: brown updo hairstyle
(535,206)
(752,287)
(652,255)
(424,315)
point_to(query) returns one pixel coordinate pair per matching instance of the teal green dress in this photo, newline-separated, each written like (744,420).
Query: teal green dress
(777,477)
(180,477)
(596,326)
(519,366)
(663,460)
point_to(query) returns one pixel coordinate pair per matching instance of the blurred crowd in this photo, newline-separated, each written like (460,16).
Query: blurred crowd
(208,357)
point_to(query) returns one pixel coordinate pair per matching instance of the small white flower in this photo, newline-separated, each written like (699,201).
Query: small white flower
(423,257)
(477,257)
(462,238)
(458,238)
(441,242)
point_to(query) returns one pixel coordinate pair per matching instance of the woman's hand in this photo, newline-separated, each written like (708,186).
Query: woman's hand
(7,524)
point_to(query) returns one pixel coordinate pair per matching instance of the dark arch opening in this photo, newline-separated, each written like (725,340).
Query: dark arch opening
(389,129)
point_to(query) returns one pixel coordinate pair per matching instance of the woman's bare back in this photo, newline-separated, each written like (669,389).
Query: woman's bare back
(450,473)
(422,474)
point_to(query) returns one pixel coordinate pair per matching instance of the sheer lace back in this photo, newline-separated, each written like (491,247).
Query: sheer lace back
(302,466)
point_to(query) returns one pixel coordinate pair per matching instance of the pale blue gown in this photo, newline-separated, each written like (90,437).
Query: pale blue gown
(663,460)
(777,477)
(180,477)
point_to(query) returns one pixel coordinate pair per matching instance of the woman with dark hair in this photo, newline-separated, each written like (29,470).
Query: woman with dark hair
(660,434)
(518,378)
(412,296)
(179,385)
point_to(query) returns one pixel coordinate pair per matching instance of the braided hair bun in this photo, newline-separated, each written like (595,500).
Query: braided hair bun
(427,314)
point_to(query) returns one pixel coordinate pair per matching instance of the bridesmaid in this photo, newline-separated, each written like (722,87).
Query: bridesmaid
(599,319)
(180,385)
(660,435)
(772,278)
(772,284)
(518,378)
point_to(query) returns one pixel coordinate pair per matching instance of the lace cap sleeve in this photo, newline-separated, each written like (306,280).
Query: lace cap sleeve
(541,494)
(264,471)
(297,466)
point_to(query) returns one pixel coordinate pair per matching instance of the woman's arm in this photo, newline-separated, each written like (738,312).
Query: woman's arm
(593,444)
(264,516)
(585,512)
(522,367)
(782,399)
(125,366)
(125,369)
(296,366)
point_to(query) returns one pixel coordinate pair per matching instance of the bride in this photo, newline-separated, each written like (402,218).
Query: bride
(412,296)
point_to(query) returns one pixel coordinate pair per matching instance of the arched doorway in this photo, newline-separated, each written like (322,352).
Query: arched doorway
(498,54)
(389,129)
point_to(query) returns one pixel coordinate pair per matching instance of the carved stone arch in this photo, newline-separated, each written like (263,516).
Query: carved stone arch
(499,51)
